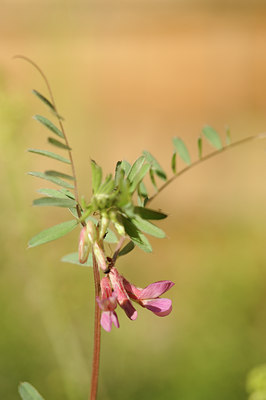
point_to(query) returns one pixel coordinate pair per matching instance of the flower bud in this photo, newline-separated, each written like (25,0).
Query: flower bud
(91,232)
(84,246)
(100,257)
(104,225)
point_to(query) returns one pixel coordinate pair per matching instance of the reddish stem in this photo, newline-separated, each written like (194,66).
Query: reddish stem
(97,334)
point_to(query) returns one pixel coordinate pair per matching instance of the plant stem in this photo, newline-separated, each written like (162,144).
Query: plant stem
(97,333)
(207,157)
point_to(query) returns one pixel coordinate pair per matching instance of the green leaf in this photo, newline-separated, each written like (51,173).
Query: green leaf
(52,193)
(181,149)
(73,258)
(54,201)
(96,172)
(48,124)
(49,154)
(200,147)
(53,233)
(155,165)
(52,179)
(136,236)
(134,170)
(56,143)
(147,213)
(173,163)
(59,175)
(67,193)
(212,136)
(142,190)
(110,237)
(153,180)
(125,166)
(139,177)
(127,249)
(228,136)
(28,392)
(44,100)
(147,227)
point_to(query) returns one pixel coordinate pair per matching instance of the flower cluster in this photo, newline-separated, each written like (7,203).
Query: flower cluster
(115,289)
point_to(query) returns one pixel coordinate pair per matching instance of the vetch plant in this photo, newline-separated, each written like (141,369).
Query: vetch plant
(118,214)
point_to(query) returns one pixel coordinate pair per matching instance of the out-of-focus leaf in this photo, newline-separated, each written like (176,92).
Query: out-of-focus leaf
(96,172)
(73,258)
(153,180)
(135,168)
(50,155)
(155,165)
(52,193)
(53,233)
(200,147)
(59,175)
(227,136)
(127,248)
(107,186)
(48,124)
(57,143)
(67,193)
(52,179)
(148,227)
(147,213)
(136,236)
(142,190)
(44,100)
(110,237)
(54,201)
(212,136)
(173,163)
(139,177)
(181,149)
(28,392)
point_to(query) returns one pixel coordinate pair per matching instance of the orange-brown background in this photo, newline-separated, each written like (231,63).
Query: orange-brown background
(129,76)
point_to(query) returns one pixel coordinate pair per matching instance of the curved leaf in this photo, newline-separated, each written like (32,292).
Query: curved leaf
(44,100)
(54,201)
(181,149)
(48,124)
(212,136)
(155,165)
(136,236)
(56,143)
(96,172)
(173,163)
(139,177)
(59,175)
(50,155)
(28,392)
(127,249)
(147,227)
(147,213)
(134,170)
(53,233)
(52,179)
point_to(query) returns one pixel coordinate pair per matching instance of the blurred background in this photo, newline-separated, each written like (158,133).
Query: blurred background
(127,76)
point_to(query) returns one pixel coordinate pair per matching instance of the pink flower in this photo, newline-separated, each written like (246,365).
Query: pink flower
(149,297)
(122,297)
(107,303)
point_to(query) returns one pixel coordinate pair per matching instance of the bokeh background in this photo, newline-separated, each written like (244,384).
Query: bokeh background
(129,75)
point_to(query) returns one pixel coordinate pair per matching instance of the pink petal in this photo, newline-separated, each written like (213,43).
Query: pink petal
(130,311)
(108,304)
(106,321)
(155,289)
(115,319)
(160,307)
(131,290)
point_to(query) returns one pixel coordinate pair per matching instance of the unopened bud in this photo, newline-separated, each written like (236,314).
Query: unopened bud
(104,225)
(115,218)
(100,257)
(91,232)
(84,246)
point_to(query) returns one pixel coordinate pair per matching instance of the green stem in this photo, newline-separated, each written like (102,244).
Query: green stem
(97,333)
(207,157)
